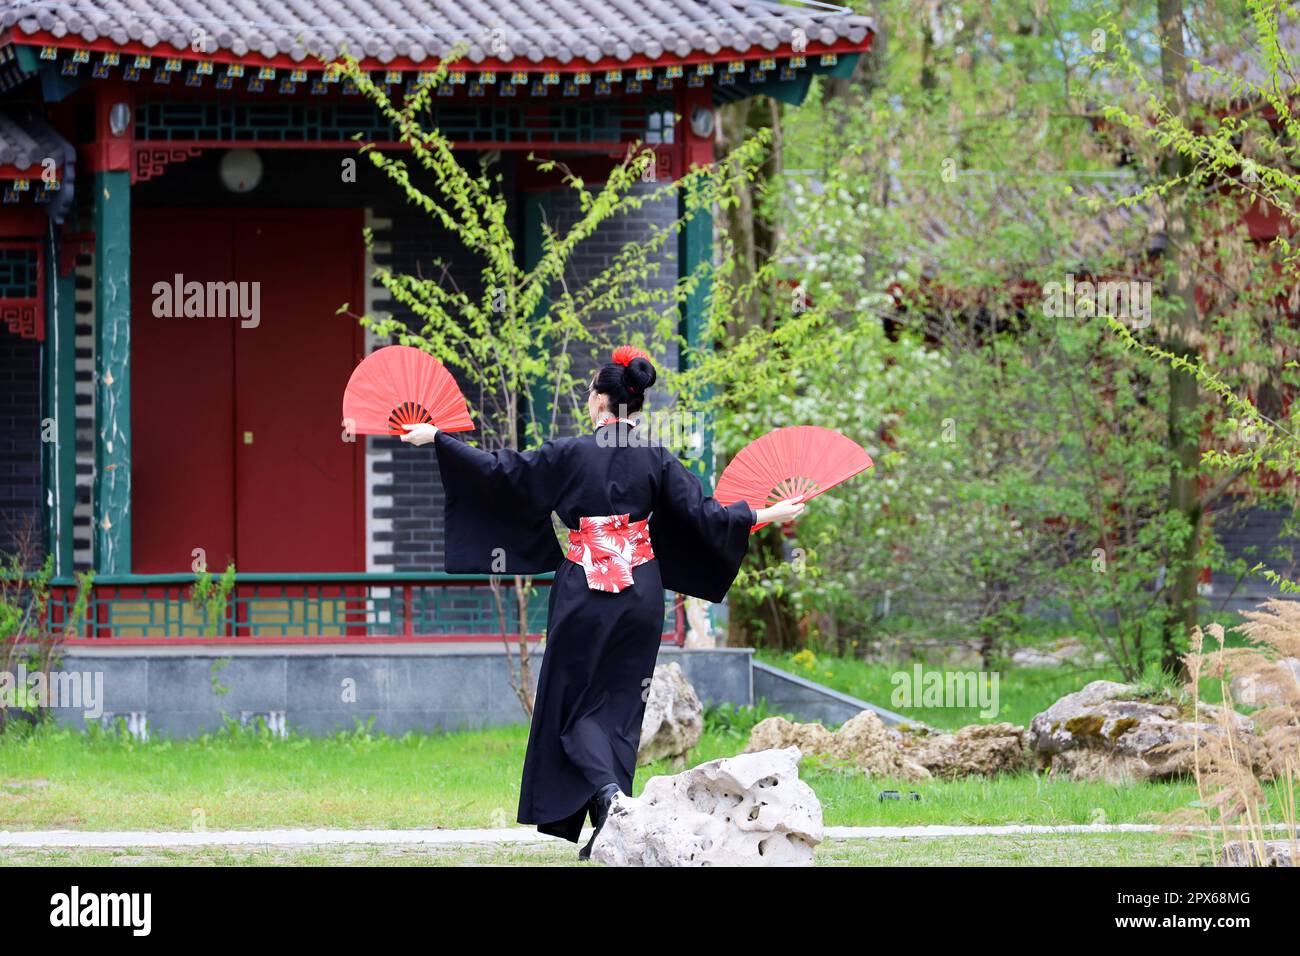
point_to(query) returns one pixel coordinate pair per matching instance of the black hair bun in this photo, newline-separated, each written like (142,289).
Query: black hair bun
(639,374)
(625,380)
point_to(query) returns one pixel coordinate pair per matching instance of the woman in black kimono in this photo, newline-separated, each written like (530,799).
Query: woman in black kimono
(606,610)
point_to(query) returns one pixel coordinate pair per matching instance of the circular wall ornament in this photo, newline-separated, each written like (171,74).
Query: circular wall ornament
(241,170)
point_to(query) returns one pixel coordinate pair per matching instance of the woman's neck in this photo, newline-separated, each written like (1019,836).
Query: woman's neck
(605,418)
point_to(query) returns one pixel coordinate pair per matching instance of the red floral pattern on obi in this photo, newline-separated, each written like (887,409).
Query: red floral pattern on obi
(608,548)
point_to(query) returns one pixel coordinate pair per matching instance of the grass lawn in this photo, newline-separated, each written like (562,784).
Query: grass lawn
(60,779)
(1130,849)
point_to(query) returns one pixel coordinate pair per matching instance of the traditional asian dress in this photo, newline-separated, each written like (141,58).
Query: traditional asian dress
(639,522)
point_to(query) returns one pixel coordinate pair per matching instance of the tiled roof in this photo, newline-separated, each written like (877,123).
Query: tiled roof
(1053,209)
(1244,61)
(25,143)
(940,224)
(498,31)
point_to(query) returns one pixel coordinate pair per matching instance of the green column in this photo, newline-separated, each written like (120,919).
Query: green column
(59,424)
(536,210)
(112,491)
(695,250)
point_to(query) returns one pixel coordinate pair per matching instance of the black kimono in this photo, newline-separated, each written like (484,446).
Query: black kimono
(600,646)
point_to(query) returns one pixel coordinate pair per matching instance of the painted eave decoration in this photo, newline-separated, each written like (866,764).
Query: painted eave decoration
(565,45)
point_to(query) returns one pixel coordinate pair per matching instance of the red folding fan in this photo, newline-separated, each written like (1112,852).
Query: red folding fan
(800,460)
(398,385)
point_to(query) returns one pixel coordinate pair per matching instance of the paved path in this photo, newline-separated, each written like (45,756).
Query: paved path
(467,837)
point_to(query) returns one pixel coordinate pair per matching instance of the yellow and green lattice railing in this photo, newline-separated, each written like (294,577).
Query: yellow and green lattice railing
(268,608)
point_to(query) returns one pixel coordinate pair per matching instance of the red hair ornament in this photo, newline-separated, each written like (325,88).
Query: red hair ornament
(624,354)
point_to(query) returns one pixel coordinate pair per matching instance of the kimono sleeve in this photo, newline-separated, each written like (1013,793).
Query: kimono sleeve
(498,507)
(698,542)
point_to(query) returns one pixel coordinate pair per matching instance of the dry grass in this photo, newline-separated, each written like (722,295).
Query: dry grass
(1237,764)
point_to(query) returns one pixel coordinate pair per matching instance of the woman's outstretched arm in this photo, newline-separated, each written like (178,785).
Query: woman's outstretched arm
(497,512)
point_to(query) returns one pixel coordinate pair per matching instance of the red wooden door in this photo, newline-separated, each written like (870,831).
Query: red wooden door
(182,418)
(297,483)
(237,439)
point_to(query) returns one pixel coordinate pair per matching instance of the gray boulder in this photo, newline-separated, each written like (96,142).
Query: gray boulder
(1105,732)
(977,750)
(1267,853)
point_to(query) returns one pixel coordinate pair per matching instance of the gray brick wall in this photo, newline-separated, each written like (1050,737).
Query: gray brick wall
(1252,534)
(409,478)
(20,442)
(596,253)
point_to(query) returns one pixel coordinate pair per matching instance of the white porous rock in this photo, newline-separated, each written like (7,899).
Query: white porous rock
(747,810)
(673,720)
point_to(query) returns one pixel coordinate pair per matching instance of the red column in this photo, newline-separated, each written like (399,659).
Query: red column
(695,104)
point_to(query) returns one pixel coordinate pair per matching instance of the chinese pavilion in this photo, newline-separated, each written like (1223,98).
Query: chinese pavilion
(141,142)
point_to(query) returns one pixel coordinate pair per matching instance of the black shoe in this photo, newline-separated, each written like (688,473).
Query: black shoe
(599,809)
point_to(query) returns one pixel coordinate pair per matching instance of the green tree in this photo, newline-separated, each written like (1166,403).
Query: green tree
(1018,448)
(1233,342)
